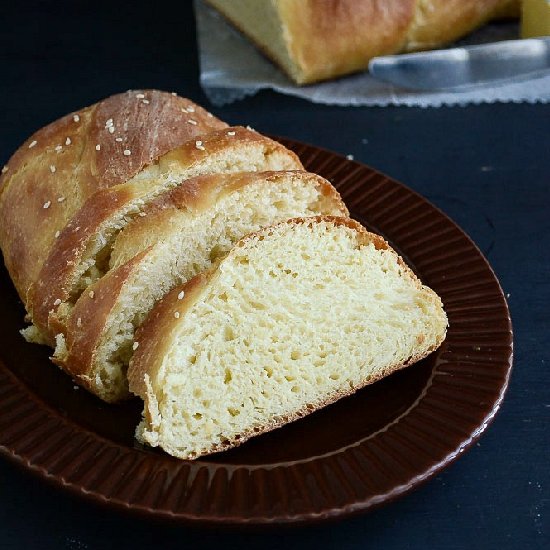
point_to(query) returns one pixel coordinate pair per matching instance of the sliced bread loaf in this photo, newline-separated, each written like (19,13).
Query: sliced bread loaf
(295,317)
(181,234)
(80,254)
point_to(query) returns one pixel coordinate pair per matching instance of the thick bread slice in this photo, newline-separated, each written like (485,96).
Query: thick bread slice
(314,40)
(293,318)
(59,167)
(183,232)
(80,254)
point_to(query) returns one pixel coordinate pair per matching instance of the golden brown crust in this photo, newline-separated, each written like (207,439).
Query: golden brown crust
(336,37)
(227,138)
(57,278)
(330,38)
(59,167)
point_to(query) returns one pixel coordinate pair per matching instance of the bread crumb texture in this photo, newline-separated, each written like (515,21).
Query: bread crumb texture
(293,318)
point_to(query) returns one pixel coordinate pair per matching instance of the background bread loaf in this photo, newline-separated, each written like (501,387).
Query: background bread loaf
(314,40)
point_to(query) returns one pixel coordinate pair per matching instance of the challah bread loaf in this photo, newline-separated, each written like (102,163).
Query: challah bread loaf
(295,317)
(315,40)
(80,253)
(182,233)
(59,167)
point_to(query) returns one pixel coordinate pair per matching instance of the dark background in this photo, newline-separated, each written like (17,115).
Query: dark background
(487,167)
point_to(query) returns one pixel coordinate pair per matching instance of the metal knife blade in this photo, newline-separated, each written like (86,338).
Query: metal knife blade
(467,67)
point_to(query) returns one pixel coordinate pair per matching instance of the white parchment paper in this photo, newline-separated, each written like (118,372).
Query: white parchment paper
(232,68)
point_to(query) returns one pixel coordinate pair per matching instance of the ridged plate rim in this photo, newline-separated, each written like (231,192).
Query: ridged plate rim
(38,438)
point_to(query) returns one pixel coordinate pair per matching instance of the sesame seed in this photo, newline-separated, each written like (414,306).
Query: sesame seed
(76,118)
(58,148)
(209,115)
(47,204)
(174,94)
(57,302)
(181,295)
(199,145)
(32,144)
(52,168)
(142,214)
(60,199)
(190,109)
(231,133)
(111,129)
(91,294)
(5,169)
(193,122)
(109,122)
(79,322)
(57,233)
(98,147)
(135,346)
(177,314)
(68,141)
(140,96)
(127,152)
(349,157)
(75,387)
(119,139)
(146,101)
(250,128)
(125,126)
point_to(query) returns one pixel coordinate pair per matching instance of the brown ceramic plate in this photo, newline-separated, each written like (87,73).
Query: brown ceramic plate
(356,454)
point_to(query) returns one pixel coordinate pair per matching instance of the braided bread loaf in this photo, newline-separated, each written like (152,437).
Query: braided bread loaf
(168,255)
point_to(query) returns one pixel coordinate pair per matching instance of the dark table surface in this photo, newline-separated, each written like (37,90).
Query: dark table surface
(487,167)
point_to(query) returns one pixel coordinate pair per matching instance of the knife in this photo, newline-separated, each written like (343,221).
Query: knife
(466,67)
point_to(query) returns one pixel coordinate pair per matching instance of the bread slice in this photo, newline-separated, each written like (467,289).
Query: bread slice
(81,252)
(295,317)
(62,165)
(182,233)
